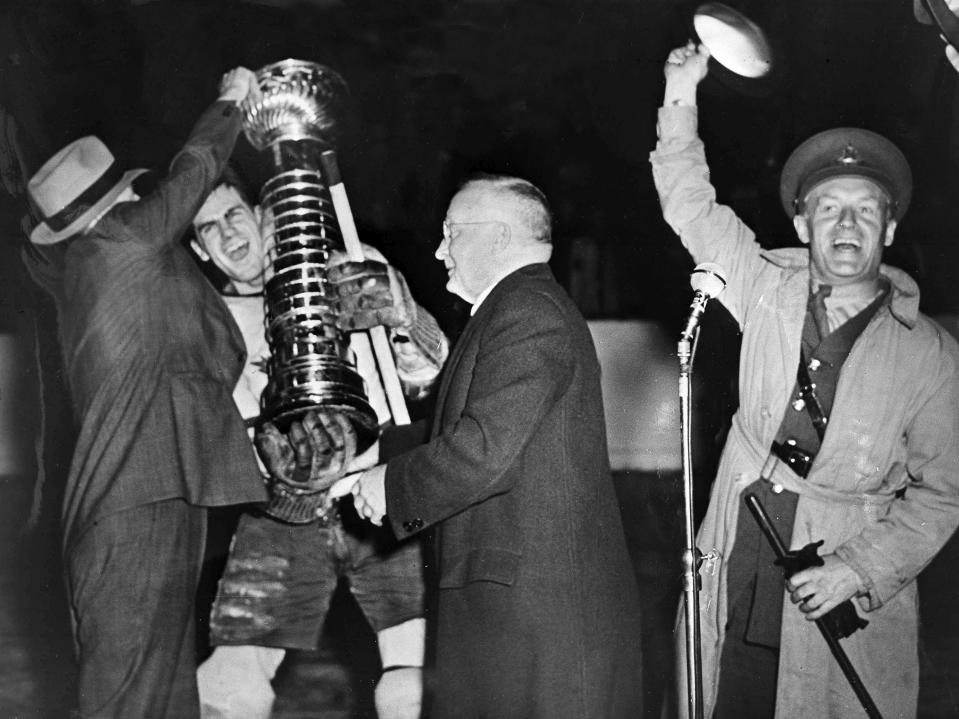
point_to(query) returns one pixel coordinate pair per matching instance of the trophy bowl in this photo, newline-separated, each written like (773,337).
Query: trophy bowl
(296,119)
(300,100)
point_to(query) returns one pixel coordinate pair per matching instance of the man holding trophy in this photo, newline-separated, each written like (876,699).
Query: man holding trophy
(288,555)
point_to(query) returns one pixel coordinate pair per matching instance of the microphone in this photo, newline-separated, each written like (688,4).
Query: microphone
(708,280)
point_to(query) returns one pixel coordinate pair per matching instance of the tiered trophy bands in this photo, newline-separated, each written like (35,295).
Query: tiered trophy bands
(310,368)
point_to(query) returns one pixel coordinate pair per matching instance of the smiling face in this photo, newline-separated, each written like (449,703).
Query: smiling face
(228,232)
(846,224)
(472,234)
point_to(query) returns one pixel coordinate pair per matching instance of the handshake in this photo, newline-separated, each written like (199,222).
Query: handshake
(310,462)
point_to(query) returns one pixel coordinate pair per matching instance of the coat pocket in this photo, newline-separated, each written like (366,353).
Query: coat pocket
(480,565)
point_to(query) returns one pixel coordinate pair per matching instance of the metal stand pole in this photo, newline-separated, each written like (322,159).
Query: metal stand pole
(691,556)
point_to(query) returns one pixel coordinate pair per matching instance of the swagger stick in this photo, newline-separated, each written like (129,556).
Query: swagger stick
(354,250)
(826,628)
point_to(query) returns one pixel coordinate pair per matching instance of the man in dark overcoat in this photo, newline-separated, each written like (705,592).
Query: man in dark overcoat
(537,608)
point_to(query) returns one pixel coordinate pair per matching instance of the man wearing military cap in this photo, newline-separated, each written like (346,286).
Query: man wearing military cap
(847,428)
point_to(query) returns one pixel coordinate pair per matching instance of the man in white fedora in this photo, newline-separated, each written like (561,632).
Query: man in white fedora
(151,356)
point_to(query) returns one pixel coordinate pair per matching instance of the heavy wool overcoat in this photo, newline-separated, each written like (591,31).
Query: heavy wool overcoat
(537,611)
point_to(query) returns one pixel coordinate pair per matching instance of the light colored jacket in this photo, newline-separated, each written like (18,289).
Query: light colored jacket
(894,424)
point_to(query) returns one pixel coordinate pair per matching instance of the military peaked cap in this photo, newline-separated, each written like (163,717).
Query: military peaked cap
(846,151)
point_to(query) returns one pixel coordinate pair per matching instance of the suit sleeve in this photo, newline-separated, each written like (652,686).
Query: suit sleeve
(397,439)
(522,367)
(162,217)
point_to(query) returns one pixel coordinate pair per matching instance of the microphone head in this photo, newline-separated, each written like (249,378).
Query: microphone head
(708,278)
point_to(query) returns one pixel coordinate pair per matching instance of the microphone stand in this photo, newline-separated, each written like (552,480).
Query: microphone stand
(691,556)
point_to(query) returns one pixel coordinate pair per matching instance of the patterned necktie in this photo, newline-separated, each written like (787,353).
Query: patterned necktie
(817,306)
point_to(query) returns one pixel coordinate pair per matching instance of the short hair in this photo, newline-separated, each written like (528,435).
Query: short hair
(231,177)
(530,203)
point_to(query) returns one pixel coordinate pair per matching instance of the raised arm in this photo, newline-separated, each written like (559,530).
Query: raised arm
(710,231)
(163,216)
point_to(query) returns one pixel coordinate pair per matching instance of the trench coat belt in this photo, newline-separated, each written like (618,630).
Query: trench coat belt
(756,453)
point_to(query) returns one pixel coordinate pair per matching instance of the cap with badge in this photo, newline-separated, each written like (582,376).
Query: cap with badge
(846,152)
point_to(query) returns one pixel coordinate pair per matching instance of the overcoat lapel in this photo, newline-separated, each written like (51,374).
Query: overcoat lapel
(452,370)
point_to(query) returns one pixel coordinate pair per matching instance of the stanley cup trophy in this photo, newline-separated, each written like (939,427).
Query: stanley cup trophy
(310,368)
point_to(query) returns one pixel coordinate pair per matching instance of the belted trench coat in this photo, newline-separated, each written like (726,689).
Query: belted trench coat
(894,425)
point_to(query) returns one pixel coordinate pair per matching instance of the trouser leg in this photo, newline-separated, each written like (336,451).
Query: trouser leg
(748,676)
(132,578)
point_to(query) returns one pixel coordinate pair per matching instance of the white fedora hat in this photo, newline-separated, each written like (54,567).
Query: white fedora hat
(75,186)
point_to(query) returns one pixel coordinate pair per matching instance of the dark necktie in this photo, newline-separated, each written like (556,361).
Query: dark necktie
(817,306)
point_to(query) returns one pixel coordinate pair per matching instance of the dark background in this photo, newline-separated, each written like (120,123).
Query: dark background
(563,93)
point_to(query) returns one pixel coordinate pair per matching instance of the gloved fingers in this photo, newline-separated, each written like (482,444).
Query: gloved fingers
(370,301)
(321,443)
(366,292)
(275,451)
(351,270)
(370,293)
(302,451)
(337,258)
(349,440)
(402,297)
(333,466)
(342,442)
(361,284)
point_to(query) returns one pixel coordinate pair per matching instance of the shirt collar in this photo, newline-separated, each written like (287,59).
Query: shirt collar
(903,297)
(499,278)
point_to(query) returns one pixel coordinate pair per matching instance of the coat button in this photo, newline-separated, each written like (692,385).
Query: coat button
(412,524)
(813,364)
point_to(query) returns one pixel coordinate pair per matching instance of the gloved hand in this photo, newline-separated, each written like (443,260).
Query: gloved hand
(314,452)
(369,293)
(399,693)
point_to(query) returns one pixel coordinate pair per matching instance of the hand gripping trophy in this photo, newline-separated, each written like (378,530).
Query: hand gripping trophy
(295,119)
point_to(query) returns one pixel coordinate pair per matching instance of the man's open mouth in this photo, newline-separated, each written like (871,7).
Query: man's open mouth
(236,251)
(846,243)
